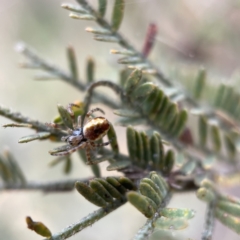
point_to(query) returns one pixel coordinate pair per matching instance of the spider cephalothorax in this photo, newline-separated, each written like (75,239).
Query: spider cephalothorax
(85,137)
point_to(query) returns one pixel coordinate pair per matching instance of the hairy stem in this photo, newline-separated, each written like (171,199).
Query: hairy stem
(87,221)
(57,186)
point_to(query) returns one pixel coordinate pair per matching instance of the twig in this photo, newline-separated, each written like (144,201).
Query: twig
(58,186)
(87,221)
(209,221)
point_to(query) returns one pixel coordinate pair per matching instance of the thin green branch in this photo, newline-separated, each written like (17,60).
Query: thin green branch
(57,186)
(209,221)
(87,221)
(146,230)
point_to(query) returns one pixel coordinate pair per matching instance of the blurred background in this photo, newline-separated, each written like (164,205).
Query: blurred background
(190,33)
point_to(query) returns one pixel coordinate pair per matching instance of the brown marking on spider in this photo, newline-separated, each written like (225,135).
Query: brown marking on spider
(84,138)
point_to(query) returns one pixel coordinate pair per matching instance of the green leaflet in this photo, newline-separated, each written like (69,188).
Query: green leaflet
(171,224)
(37,136)
(38,227)
(230,208)
(215,134)
(148,151)
(65,116)
(133,81)
(68,165)
(142,91)
(101,190)
(205,194)
(118,165)
(148,191)
(178,213)
(90,194)
(168,162)
(90,70)
(72,62)
(142,203)
(117,15)
(131,143)
(202,130)
(230,145)
(200,83)
(228,220)
(102,7)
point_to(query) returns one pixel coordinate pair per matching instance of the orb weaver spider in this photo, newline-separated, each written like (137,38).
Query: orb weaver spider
(85,137)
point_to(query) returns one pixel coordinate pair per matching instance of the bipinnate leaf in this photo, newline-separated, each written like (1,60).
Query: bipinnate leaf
(117,14)
(145,205)
(38,227)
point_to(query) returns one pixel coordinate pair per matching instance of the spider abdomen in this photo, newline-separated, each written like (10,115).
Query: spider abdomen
(96,128)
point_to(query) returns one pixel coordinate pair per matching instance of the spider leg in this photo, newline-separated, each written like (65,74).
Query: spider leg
(79,121)
(52,125)
(88,154)
(69,108)
(70,111)
(99,144)
(70,150)
(88,115)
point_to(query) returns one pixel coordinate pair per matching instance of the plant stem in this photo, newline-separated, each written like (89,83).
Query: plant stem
(209,221)
(57,186)
(87,221)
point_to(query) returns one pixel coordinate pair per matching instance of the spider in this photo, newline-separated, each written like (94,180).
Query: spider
(85,137)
